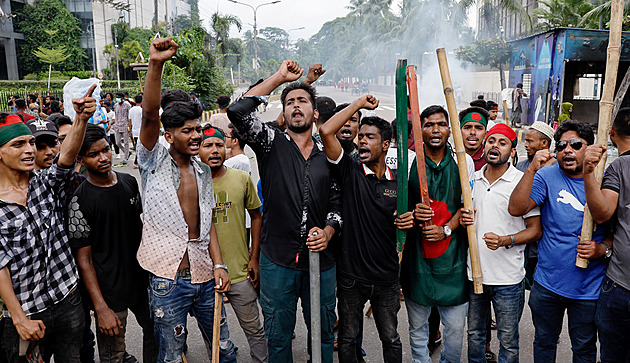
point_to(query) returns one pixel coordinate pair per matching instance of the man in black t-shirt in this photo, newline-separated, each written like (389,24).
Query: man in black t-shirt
(105,229)
(367,264)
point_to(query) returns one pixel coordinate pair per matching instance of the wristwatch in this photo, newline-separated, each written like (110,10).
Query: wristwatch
(608,250)
(220,265)
(447,231)
(512,242)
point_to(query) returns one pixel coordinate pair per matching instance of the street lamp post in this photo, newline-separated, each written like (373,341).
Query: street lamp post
(255,9)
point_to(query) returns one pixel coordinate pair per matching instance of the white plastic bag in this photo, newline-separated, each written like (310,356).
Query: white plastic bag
(76,88)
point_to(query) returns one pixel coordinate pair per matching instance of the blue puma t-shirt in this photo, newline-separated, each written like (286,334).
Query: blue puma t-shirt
(562,201)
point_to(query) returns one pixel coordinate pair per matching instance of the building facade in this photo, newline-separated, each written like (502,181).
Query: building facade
(8,40)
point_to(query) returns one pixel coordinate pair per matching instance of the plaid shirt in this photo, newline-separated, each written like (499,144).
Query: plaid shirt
(164,231)
(34,244)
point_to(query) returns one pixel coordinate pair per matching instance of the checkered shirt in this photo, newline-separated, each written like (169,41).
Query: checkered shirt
(165,232)
(34,244)
(121,120)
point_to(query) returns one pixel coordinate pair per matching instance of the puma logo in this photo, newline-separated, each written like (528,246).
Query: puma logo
(570,199)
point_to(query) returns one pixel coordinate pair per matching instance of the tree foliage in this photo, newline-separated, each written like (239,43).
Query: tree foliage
(33,20)
(493,52)
(561,13)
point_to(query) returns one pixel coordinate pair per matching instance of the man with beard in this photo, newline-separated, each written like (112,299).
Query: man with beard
(474,121)
(235,194)
(501,247)
(179,246)
(348,132)
(301,209)
(538,137)
(433,270)
(367,260)
(613,316)
(105,230)
(559,285)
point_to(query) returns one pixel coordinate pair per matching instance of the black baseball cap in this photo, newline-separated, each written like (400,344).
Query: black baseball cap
(40,127)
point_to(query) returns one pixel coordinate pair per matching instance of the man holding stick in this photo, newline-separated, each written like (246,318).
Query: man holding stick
(368,262)
(433,271)
(559,284)
(301,209)
(179,244)
(612,316)
(38,275)
(501,248)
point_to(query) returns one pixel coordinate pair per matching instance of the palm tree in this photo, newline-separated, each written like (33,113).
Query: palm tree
(561,13)
(221,27)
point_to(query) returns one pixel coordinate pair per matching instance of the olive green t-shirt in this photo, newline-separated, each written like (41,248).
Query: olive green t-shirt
(234,192)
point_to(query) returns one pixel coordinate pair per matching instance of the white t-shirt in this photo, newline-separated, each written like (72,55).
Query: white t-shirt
(502,266)
(111,115)
(135,114)
(241,162)
(391,158)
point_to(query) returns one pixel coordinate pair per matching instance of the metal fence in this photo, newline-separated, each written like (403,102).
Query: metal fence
(58,93)
(488,96)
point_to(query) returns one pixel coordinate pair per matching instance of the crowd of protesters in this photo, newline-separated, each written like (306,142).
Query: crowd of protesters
(78,237)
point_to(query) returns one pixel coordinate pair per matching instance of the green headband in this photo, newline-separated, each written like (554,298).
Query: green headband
(13,127)
(474,117)
(213,132)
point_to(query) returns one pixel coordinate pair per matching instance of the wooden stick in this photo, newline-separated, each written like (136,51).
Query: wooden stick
(412,84)
(605,110)
(216,327)
(402,144)
(463,169)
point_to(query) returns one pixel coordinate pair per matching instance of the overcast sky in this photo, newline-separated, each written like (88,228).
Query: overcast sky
(288,14)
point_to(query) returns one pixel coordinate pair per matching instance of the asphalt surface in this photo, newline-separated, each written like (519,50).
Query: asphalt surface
(371,344)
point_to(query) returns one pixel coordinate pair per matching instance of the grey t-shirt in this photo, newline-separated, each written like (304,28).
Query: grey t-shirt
(617,179)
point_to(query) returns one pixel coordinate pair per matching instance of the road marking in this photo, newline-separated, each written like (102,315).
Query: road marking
(388,108)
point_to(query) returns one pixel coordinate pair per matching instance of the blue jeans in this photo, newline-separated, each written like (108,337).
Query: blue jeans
(170,302)
(613,322)
(280,288)
(548,312)
(385,301)
(63,338)
(508,302)
(454,320)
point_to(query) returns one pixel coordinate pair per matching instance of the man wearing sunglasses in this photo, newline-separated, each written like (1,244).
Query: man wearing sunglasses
(558,284)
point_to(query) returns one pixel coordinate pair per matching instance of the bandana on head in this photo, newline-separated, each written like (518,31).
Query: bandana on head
(213,132)
(474,117)
(11,128)
(504,130)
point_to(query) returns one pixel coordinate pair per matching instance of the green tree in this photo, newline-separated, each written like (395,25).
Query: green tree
(493,52)
(33,20)
(561,13)
(221,30)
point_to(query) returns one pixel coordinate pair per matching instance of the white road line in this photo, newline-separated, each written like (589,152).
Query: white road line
(388,108)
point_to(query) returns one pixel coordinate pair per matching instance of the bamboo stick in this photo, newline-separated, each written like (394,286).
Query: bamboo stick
(605,110)
(216,326)
(463,169)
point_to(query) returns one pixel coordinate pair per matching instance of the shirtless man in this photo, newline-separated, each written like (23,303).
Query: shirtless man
(179,244)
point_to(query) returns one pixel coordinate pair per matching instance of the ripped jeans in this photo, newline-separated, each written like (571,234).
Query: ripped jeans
(170,302)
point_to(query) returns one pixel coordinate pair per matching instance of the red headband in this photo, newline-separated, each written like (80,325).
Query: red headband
(504,130)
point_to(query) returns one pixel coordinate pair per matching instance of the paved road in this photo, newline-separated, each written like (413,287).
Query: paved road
(197,350)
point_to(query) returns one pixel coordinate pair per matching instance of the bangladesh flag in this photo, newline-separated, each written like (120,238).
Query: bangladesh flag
(434,273)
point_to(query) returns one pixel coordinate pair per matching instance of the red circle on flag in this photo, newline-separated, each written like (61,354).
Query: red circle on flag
(209,132)
(475,116)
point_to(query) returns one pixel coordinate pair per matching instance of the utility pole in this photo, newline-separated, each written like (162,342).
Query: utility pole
(116,51)
(255,9)
(155,16)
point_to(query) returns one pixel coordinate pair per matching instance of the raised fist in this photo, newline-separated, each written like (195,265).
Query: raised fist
(162,49)
(368,102)
(540,159)
(314,72)
(592,156)
(290,71)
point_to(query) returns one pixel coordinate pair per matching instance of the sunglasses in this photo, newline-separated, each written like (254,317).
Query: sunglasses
(576,144)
